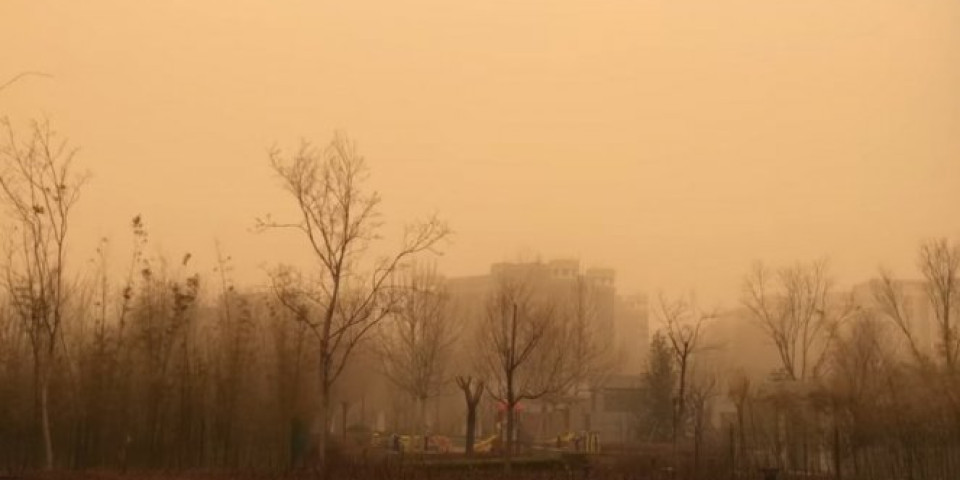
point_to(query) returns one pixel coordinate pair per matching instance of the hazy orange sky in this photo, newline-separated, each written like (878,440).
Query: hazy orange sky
(677,141)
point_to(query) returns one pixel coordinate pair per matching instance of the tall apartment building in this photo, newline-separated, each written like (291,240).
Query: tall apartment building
(632,332)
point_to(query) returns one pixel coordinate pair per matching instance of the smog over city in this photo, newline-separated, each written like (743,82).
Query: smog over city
(638,239)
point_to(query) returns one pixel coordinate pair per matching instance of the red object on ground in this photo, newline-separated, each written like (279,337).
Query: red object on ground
(502,407)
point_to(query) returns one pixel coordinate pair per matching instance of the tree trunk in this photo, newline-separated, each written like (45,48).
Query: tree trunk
(508,442)
(734,463)
(679,413)
(471,427)
(45,422)
(423,421)
(41,399)
(324,432)
(472,399)
(696,455)
(345,406)
(681,397)
(743,435)
(837,466)
(511,395)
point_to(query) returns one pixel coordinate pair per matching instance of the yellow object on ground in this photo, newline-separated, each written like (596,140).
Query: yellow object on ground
(565,439)
(593,442)
(485,445)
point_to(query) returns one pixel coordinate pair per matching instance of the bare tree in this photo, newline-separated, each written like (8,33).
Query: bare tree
(233,353)
(860,364)
(797,310)
(415,341)
(703,389)
(793,307)
(684,323)
(40,189)
(472,393)
(659,382)
(739,391)
(292,348)
(523,347)
(939,263)
(339,219)
(163,323)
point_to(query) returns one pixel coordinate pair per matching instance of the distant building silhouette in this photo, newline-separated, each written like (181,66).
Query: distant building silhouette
(620,321)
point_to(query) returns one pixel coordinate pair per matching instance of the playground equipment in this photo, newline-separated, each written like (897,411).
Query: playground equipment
(588,442)
(416,443)
(592,442)
(565,439)
(485,445)
(439,443)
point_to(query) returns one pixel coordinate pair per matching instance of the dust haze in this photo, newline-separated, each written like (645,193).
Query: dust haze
(674,143)
(704,199)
